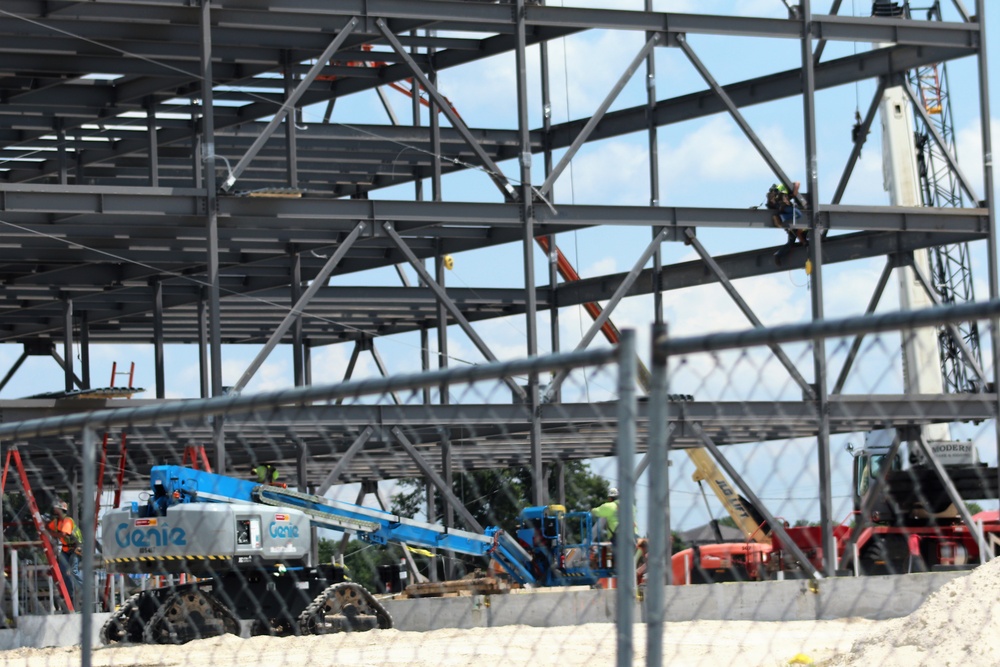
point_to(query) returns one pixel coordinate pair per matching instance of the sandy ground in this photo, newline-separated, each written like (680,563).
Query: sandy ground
(959,625)
(685,644)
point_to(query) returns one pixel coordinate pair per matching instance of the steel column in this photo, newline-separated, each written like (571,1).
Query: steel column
(88,509)
(159,369)
(212,227)
(289,112)
(85,350)
(658,521)
(988,189)
(539,489)
(154,148)
(624,547)
(816,257)
(68,343)
(295,294)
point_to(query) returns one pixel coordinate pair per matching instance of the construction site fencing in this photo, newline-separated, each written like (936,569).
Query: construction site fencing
(743,459)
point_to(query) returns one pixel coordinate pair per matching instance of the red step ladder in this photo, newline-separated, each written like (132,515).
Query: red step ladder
(14,455)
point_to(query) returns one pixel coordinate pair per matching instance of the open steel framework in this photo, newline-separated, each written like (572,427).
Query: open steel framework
(154,130)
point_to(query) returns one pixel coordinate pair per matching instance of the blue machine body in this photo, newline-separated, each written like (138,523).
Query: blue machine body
(176,485)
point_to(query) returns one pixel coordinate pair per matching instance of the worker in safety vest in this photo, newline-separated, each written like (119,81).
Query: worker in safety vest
(786,209)
(606,518)
(63,528)
(266,473)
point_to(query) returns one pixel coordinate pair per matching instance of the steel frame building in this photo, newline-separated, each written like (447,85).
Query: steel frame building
(150,180)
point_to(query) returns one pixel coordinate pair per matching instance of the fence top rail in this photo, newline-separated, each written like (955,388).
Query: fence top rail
(201,409)
(809,331)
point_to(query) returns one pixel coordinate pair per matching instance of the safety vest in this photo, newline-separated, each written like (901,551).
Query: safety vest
(69,533)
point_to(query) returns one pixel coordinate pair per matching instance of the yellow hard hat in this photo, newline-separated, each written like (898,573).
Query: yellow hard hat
(449,262)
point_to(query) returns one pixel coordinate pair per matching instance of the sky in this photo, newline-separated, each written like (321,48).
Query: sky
(706,162)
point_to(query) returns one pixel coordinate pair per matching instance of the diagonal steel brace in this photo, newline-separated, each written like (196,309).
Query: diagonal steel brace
(491,167)
(289,104)
(447,302)
(714,267)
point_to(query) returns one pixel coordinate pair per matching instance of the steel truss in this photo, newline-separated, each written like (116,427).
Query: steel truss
(147,194)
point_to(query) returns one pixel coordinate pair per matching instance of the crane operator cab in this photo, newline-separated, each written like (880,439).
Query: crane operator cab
(913,492)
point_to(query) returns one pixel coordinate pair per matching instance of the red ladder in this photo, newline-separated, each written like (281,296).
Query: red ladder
(196,454)
(120,473)
(14,455)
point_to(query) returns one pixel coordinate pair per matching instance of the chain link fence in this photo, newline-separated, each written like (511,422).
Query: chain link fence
(484,512)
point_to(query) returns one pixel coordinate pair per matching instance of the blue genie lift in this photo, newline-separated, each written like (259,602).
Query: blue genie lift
(237,551)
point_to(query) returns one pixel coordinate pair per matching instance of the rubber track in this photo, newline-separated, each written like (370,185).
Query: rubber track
(313,619)
(116,626)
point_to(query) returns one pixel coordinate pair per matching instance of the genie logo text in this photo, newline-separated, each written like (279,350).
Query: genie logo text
(147,538)
(282,531)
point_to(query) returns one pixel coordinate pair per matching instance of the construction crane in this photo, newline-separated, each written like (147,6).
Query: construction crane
(950,264)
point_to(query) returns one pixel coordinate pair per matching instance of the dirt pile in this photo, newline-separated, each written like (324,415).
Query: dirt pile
(957,625)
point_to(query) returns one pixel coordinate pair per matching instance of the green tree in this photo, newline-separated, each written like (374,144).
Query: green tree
(361,559)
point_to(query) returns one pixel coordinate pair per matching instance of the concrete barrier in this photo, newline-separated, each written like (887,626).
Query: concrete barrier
(875,598)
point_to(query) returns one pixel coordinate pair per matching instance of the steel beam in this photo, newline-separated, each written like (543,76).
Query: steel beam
(956,335)
(734,111)
(859,141)
(864,517)
(917,437)
(13,369)
(383,371)
(945,149)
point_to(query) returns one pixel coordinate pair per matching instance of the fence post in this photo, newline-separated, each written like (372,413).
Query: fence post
(624,548)
(658,553)
(89,544)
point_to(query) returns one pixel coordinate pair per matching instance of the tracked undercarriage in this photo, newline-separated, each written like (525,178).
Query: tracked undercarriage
(179,614)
